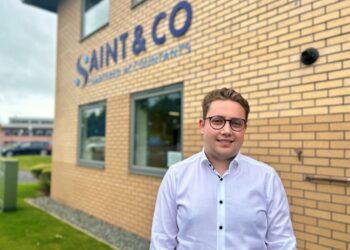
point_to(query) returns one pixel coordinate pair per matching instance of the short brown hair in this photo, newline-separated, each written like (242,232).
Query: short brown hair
(224,94)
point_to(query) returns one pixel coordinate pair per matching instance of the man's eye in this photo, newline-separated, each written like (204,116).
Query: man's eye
(217,120)
(236,123)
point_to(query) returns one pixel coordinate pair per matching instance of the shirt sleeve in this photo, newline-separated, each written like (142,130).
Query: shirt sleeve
(164,226)
(279,234)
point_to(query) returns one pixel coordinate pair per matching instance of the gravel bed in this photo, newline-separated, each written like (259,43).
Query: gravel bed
(112,235)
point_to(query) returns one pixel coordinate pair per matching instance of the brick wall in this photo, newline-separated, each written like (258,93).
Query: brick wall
(253,46)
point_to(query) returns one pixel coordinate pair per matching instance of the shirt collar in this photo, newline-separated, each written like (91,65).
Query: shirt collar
(234,164)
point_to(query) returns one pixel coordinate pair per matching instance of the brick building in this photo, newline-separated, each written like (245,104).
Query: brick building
(24,129)
(128,99)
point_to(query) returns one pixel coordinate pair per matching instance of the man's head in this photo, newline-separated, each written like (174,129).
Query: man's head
(225,114)
(225,94)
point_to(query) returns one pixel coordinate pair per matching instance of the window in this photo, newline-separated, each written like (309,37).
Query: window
(136,2)
(95,15)
(156,130)
(92,119)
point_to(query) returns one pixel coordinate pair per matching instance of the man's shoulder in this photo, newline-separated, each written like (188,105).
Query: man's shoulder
(255,164)
(183,165)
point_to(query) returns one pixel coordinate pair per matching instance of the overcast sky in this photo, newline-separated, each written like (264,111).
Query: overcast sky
(27,60)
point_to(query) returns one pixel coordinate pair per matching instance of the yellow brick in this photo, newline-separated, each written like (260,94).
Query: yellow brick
(337,22)
(327,34)
(339,74)
(341,236)
(290,113)
(312,246)
(303,104)
(328,67)
(337,39)
(291,128)
(303,120)
(318,231)
(302,88)
(317,196)
(320,162)
(304,202)
(303,136)
(279,106)
(345,29)
(291,97)
(341,199)
(305,236)
(304,169)
(330,118)
(340,163)
(319,4)
(291,144)
(313,29)
(340,109)
(305,219)
(340,144)
(330,136)
(332,243)
(315,111)
(302,40)
(330,171)
(300,25)
(339,91)
(299,11)
(337,6)
(329,101)
(329,84)
(316,127)
(332,225)
(344,55)
(327,17)
(314,78)
(304,186)
(314,13)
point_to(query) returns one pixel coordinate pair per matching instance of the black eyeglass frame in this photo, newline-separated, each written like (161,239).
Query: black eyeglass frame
(229,120)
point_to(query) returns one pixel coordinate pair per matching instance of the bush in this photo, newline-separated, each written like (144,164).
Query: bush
(43,173)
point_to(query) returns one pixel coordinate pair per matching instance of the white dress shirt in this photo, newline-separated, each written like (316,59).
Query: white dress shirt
(197,209)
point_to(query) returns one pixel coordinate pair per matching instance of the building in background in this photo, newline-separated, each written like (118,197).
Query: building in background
(130,79)
(20,129)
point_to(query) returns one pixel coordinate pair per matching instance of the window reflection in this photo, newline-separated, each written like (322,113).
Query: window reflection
(157,130)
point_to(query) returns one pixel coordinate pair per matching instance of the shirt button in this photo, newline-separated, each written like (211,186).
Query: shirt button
(220,227)
(221,179)
(221,201)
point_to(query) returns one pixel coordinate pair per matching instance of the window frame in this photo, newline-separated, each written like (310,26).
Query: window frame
(149,170)
(82,22)
(80,161)
(133,5)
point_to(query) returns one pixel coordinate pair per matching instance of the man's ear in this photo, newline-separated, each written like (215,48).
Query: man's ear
(201,124)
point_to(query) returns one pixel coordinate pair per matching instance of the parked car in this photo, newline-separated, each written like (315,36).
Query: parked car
(28,148)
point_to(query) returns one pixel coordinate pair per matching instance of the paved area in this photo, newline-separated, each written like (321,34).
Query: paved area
(26,177)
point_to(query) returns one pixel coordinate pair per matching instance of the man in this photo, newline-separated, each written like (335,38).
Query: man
(219,198)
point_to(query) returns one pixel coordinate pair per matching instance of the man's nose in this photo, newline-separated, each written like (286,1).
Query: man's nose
(227,128)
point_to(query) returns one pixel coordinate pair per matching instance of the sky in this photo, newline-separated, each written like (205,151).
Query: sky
(28,37)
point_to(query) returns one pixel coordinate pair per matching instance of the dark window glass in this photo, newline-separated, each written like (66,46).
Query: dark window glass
(93,132)
(157,130)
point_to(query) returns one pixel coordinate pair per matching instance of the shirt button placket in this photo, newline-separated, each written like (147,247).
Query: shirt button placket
(221,214)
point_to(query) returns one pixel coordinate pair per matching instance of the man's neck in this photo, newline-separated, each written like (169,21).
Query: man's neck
(220,165)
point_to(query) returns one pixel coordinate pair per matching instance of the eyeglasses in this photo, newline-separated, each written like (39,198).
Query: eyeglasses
(218,122)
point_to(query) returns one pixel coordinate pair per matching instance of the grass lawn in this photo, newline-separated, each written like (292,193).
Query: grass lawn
(27,161)
(30,228)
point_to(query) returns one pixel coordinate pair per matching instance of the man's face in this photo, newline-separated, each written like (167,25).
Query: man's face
(222,144)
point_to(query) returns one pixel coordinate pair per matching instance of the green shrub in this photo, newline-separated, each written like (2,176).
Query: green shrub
(43,173)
